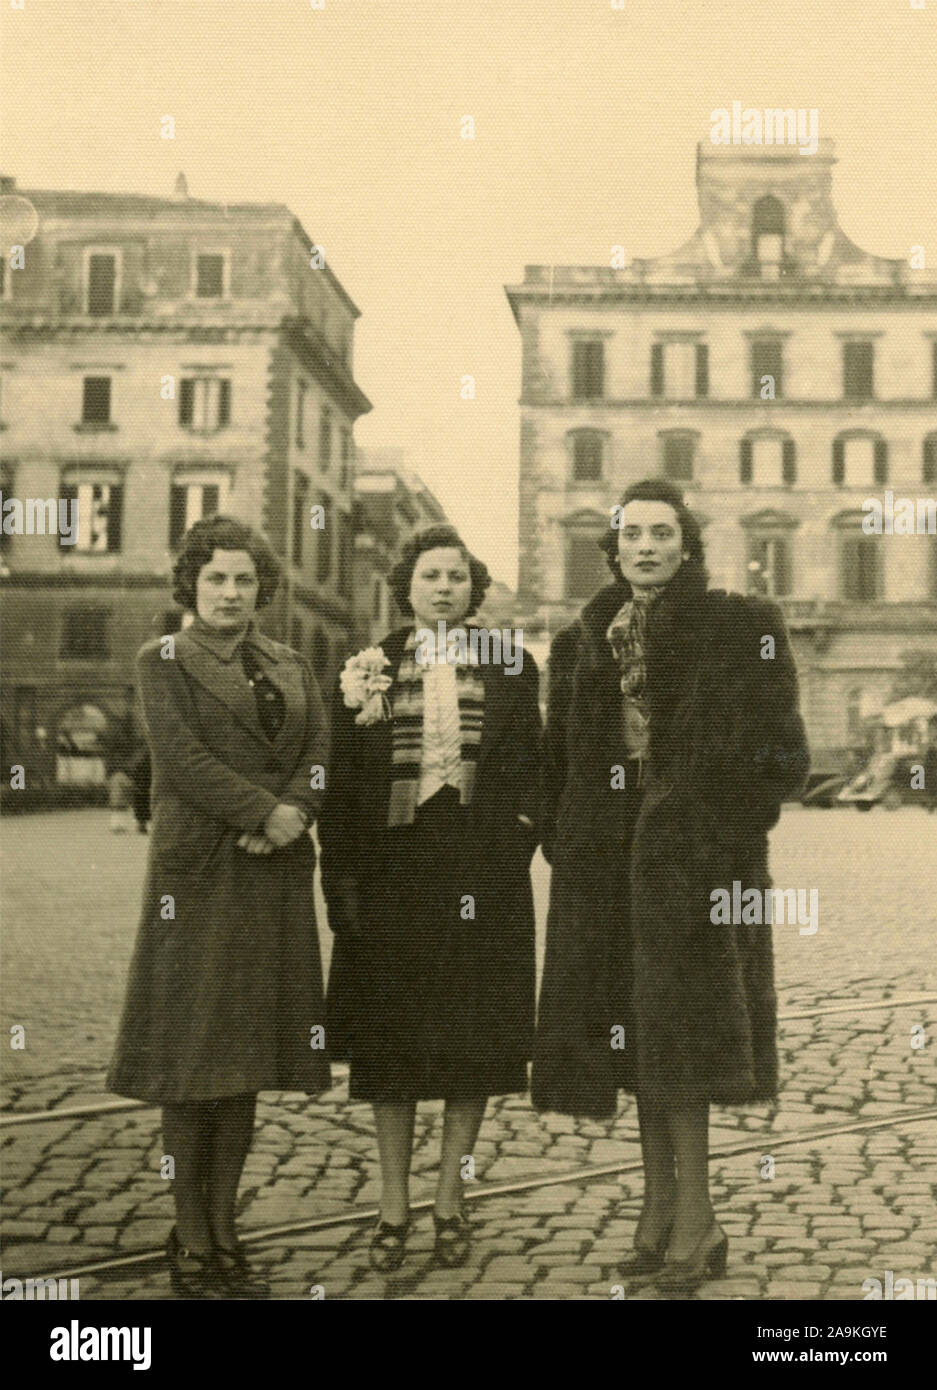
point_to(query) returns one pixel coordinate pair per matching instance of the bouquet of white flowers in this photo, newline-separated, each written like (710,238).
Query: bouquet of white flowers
(363,685)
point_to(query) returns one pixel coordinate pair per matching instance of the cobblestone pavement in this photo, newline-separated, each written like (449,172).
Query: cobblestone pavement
(837,1210)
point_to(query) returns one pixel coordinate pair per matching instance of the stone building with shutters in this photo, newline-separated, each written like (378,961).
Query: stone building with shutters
(162,359)
(781,375)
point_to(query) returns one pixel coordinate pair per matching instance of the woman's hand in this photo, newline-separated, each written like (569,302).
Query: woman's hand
(525,821)
(256,844)
(284,824)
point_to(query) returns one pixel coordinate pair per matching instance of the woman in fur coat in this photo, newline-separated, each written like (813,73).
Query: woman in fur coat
(673,736)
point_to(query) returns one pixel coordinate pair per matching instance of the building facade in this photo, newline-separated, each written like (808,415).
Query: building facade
(162,360)
(782,376)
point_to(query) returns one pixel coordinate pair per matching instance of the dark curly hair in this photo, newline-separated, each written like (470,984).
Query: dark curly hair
(222,533)
(432,538)
(658,490)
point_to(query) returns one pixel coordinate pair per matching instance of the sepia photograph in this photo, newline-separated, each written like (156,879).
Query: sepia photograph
(468,665)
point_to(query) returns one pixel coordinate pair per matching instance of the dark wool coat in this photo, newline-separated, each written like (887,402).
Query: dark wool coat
(487,1001)
(222,997)
(629,935)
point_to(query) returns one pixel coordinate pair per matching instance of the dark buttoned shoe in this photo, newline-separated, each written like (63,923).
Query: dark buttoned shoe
(453,1239)
(192,1273)
(236,1275)
(388,1246)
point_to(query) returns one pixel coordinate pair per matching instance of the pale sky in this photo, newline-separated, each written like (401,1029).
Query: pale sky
(586,124)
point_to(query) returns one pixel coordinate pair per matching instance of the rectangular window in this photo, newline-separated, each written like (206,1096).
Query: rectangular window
(858,371)
(209,276)
(100,516)
(102,284)
(204,403)
(769,569)
(586,570)
(96,400)
(588,370)
(587,457)
(325,437)
(677,461)
(768,361)
(345,544)
(84,635)
(300,494)
(324,543)
(861,571)
(189,503)
(680,370)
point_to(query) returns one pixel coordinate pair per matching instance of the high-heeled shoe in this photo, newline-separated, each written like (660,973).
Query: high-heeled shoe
(708,1261)
(192,1274)
(453,1239)
(388,1246)
(648,1259)
(237,1276)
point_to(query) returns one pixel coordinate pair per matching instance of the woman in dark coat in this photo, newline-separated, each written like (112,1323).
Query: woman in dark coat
(427,831)
(673,736)
(225,991)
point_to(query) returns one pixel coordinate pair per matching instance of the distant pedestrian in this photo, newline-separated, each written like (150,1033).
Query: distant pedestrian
(427,832)
(224,997)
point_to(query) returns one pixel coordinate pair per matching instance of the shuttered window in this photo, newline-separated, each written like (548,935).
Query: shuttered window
(100,515)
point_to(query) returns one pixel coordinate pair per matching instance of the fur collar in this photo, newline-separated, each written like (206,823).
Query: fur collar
(674,616)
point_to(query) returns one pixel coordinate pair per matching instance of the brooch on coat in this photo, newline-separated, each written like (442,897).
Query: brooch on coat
(364,685)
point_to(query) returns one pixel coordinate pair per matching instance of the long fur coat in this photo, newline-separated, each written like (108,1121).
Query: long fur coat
(631,948)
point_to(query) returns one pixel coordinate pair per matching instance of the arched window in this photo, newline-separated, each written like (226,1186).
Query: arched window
(929,464)
(768,235)
(767,459)
(860,459)
(587,450)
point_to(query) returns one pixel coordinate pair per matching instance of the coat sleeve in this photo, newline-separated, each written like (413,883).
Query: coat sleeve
(770,758)
(559,697)
(298,791)
(187,763)
(338,815)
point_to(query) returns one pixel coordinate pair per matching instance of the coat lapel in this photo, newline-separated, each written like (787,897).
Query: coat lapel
(223,679)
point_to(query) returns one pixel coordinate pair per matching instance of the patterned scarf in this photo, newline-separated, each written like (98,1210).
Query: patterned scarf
(407,733)
(627,636)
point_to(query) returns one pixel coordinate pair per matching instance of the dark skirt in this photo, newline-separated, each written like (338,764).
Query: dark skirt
(428,1000)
